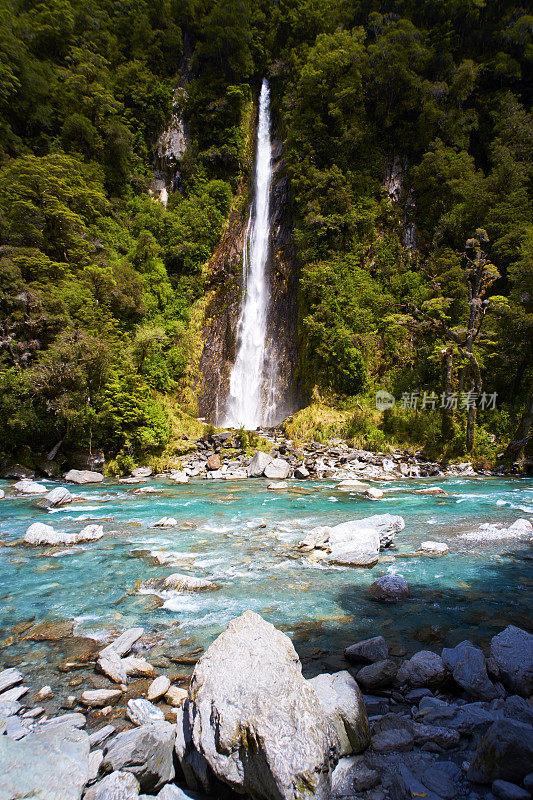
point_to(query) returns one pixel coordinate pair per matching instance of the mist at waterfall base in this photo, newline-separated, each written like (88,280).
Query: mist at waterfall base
(243,538)
(253,392)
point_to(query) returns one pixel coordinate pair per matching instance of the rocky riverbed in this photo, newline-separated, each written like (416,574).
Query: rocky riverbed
(113,593)
(451,724)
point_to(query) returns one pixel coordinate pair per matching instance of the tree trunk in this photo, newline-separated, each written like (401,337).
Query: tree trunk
(447,427)
(470,427)
(522,433)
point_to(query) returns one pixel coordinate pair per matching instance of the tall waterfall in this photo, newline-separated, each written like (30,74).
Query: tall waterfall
(252,398)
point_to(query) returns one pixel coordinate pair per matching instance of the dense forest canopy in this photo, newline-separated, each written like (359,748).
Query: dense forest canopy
(408,140)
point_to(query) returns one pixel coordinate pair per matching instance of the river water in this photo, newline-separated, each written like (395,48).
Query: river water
(242,537)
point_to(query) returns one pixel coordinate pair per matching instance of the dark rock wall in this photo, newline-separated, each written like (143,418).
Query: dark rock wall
(223,309)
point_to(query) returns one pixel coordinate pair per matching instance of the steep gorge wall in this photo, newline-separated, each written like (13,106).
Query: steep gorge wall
(225,283)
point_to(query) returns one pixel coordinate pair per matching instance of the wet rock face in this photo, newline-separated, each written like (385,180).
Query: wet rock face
(222,312)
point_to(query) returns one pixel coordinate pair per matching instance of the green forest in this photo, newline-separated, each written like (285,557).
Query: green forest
(421,288)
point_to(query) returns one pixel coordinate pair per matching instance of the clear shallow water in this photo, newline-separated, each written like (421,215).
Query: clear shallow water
(242,537)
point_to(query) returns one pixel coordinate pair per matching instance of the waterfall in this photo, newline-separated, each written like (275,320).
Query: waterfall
(252,399)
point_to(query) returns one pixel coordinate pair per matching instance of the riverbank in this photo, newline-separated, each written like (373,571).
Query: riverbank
(181,560)
(448,724)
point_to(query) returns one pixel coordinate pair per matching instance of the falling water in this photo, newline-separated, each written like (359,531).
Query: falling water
(252,392)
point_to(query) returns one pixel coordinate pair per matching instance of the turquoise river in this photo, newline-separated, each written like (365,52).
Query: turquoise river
(243,537)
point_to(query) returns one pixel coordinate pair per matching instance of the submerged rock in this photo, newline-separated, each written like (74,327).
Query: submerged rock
(434,548)
(278,486)
(253,722)
(82,476)
(27,486)
(178,583)
(52,762)
(342,702)
(512,650)
(41,534)
(390,588)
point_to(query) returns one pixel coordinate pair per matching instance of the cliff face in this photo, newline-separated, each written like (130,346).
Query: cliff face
(223,310)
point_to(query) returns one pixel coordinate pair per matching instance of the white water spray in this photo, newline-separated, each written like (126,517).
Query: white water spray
(251,396)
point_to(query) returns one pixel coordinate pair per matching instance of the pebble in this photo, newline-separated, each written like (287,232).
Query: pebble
(45,693)
(158,687)
(99,698)
(142,712)
(175,696)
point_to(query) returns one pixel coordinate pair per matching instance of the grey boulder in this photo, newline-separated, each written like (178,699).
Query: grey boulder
(505,751)
(277,469)
(9,678)
(82,476)
(123,643)
(357,547)
(116,786)
(512,650)
(368,651)
(258,464)
(253,722)
(377,675)
(51,764)
(423,669)
(469,670)
(146,751)
(57,497)
(509,791)
(342,702)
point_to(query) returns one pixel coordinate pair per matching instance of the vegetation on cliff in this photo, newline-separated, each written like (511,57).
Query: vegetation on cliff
(408,148)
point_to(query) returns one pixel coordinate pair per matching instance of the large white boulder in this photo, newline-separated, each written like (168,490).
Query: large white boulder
(178,583)
(354,548)
(57,497)
(252,721)
(27,486)
(258,464)
(82,476)
(277,469)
